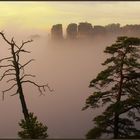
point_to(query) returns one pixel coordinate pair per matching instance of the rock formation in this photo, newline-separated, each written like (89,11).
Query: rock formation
(71,31)
(57,32)
(84,30)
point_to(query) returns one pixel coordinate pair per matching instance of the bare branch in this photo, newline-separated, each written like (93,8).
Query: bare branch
(17,57)
(40,87)
(20,48)
(51,90)
(10,61)
(12,40)
(25,42)
(16,45)
(9,88)
(3,92)
(25,51)
(21,68)
(4,75)
(14,79)
(2,34)
(27,63)
(4,66)
(27,75)
(5,58)
(8,71)
(15,93)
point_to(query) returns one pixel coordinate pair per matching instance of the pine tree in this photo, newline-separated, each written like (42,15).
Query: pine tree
(118,89)
(32,129)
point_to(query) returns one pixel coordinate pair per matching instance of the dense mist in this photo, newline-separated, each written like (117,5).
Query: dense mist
(67,67)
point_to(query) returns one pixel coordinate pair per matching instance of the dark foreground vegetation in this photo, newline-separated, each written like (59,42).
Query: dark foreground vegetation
(118,89)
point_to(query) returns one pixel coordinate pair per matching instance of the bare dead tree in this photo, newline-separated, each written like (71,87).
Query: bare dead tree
(15,69)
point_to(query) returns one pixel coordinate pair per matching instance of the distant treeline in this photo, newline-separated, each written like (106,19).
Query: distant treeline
(87,30)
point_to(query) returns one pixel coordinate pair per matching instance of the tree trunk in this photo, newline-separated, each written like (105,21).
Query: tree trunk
(22,99)
(20,90)
(116,116)
(116,127)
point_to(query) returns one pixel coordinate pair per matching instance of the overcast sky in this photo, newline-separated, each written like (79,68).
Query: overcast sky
(42,15)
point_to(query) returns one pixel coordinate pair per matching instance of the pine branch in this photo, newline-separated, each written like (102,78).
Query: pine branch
(129,108)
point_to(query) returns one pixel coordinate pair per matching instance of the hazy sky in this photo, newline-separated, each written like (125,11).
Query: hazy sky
(42,15)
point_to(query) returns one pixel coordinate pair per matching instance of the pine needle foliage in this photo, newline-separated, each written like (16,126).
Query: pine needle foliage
(32,129)
(118,88)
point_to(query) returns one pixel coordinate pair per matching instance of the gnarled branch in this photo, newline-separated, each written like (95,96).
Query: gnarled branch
(4,66)
(8,90)
(23,43)
(8,71)
(27,75)
(4,75)
(40,87)
(26,63)
(21,68)
(14,43)
(25,51)
(13,79)
(17,55)
(15,93)
(6,58)
(2,34)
